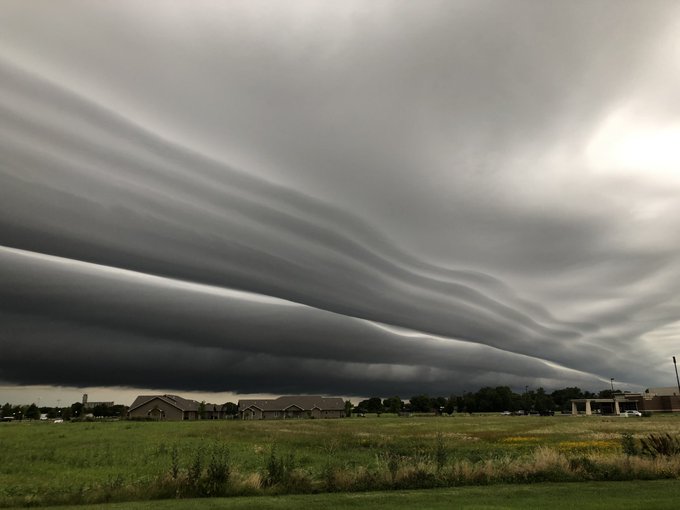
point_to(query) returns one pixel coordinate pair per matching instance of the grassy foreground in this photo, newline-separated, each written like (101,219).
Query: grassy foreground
(90,463)
(657,494)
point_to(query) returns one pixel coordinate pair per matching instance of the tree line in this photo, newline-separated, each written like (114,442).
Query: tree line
(487,399)
(75,410)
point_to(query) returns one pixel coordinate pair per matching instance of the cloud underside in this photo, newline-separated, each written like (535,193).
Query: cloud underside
(113,327)
(353,250)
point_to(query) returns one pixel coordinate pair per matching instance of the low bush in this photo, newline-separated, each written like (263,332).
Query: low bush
(278,468)
(660,445)
(629,445)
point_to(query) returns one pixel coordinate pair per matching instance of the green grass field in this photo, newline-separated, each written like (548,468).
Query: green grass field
(656,494)
(48,463)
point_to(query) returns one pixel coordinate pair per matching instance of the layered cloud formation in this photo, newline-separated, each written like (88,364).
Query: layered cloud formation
(358,199)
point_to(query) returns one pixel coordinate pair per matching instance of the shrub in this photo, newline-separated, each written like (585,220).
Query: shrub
(278,468)
(197,480)
(440,453)
(174,463)
(629,444)
(217,472)
(660,445)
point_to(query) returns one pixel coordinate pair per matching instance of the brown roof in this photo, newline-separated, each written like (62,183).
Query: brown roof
(180,403)
(306,403)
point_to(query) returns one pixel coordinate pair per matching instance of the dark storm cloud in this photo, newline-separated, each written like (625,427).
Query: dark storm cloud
(377,169)
(210,339)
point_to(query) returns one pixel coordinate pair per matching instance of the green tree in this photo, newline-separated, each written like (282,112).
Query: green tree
(372,405)
(420,404)
(77,410)
(470,403)
(450,406)
(438,404)
(393,404)
(230,409)
(101,410)
(18,412)
(562,398)
(32,412)
(543,402)
(348,408)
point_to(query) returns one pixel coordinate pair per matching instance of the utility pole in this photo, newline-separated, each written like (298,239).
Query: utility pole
(611,380)
(676,374)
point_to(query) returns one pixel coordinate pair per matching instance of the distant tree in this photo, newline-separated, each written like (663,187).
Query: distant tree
(348,408)
(490,399)
(230,409)
(469,403)
(542,401)
(460,404)
(605,394)
(76,410)
(32,412)
(201,410)
(393,404)
(18,412)
(450,406)
(118,410)
(101,410)
(562,397)
(420,404)
(372,405)
(438,404)
(6,410)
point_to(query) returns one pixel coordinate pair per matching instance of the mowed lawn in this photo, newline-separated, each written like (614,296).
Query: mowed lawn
(654,494)
(44,458)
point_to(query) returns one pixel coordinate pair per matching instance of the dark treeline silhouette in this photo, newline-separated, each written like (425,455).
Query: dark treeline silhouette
(75,411)
(487,399)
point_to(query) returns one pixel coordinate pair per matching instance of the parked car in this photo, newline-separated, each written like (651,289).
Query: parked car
(506,413)
(628,413)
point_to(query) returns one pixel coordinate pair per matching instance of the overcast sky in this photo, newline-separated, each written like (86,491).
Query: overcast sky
(342,198)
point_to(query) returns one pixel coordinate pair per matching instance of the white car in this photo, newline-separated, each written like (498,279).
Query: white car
(626,414)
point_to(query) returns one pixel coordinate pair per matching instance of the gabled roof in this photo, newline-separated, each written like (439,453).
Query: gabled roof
(180,403)
(304,402)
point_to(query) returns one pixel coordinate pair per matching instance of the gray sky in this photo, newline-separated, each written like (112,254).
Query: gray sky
(351,198)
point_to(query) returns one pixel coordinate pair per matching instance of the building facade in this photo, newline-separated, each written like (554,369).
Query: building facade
(292,407)
(654,400)
(173,408)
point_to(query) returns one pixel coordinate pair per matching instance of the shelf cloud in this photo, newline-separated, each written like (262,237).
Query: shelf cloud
(349,199)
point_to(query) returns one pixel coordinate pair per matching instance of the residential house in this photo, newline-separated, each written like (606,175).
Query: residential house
(173,408)
(291,407)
